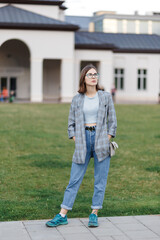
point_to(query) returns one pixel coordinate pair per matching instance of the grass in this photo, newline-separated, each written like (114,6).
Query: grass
(36,158)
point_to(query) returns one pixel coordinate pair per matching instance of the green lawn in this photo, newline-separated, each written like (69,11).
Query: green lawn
(36,158)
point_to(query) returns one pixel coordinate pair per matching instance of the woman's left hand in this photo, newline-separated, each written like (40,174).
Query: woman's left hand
(109,136)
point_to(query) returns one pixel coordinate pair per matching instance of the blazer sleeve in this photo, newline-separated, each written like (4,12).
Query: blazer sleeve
(112,120)
(71,121)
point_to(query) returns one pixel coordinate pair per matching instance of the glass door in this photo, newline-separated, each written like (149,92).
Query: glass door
(13,85)
(4,83)
(10,83)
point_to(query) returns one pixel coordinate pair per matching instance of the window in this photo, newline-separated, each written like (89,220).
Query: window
(98,26)
(143,26)
(10,83)
(131,26)
(142,79)
(119,78)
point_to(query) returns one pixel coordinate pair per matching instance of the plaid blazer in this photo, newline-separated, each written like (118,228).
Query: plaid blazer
(106,124)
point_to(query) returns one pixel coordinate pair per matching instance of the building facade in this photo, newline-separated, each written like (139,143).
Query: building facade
(111,22)
(41,55)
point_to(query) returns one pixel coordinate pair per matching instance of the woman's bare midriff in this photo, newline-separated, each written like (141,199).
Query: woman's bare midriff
(90,124)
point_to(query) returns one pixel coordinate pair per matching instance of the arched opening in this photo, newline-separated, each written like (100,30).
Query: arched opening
(15,68)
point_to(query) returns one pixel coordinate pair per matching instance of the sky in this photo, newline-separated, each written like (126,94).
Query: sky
(87,7)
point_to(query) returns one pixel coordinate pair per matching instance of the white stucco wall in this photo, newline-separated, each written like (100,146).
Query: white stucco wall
(43,44)
(3,4)
(131,62)
(47,45)
(61,15)
(51,79)
(23,85)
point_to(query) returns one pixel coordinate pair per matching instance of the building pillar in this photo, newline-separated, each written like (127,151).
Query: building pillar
(106,73)
(150,30)
(67,80)
(137,28)
(36,80)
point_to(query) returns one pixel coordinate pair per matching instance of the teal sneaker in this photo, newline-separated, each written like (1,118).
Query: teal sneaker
(93,220)
(57,220)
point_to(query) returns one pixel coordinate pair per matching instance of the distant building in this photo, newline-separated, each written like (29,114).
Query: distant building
(83,22)
(41,55)
(110,21)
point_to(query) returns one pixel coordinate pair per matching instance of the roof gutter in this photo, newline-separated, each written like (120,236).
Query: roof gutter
(47,27)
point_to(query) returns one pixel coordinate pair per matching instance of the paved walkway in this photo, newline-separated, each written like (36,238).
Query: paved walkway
(144,227)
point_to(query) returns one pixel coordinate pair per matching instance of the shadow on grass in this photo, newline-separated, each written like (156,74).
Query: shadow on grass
(42,193)
(157,136)
(153,169)
(44,161)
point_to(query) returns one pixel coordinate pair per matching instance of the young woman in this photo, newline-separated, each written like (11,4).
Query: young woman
(91,124)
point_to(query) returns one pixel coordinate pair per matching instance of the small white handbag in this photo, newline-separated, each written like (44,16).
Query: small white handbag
(112,148)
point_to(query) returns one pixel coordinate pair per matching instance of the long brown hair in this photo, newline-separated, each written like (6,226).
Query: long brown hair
(82,85)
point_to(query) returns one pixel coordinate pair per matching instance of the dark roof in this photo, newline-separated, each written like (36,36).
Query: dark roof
(138,43)
(16,18)
(41,2)
(82,22)
(62,7)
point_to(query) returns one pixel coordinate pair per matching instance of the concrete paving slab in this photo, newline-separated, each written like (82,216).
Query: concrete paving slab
(14,234)
(70,230)
(147,234)
(80,236)
(147,217)
(72,222)
(45,236)
(131,226)
(123,219)
(145,238)
(121,237)
(13,230)
(40,228)
(148,220)
(33,222)
(110,228)
(106,231)
(105,238)
(155,228)
(11,225)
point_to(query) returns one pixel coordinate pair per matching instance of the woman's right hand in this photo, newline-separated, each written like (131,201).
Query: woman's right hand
(74,138)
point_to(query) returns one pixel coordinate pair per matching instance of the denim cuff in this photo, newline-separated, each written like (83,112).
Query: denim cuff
(96,207)
(65,207)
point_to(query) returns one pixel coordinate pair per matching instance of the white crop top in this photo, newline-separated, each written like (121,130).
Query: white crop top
(90,108)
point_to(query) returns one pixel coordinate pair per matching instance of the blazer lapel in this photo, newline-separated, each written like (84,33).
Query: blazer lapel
(101,113)
(102,108)
(81,119)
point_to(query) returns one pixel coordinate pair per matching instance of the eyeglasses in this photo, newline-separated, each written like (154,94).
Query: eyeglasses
(90,75)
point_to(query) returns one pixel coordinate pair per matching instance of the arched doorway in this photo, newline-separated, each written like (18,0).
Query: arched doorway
(15,68)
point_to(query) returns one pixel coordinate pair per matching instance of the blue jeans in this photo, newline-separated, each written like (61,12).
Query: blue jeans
(101,170)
